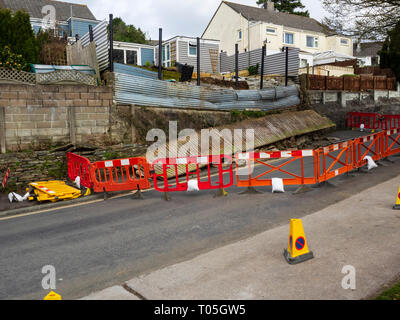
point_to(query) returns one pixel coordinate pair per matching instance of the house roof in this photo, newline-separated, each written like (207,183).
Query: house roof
(278,18)
(368,49)
(63,9)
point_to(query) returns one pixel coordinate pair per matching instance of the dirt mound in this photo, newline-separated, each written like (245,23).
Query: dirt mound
(225,83)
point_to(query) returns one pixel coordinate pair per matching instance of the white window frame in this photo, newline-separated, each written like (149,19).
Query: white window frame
(189,54)
(239,35)
(344,44)
(315,41)
(284,37)
(269,32)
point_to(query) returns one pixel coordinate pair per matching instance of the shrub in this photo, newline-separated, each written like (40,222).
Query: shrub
(17,34)
(12,61)
(253,70)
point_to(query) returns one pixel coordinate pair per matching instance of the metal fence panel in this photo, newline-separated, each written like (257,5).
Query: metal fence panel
(100,37)
(274,64)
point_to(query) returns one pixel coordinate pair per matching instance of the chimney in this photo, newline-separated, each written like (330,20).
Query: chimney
(269,5)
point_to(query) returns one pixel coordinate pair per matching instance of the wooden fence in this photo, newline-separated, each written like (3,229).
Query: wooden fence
(350,83)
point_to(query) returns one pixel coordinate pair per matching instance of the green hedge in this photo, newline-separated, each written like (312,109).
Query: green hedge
(17,39)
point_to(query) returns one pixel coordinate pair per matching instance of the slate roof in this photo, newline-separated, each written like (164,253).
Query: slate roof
(278,18)
(63,9)
(368,49)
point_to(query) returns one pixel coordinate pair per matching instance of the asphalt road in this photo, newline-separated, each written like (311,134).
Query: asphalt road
(98,245)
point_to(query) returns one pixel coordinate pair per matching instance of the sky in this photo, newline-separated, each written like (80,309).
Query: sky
(176,17)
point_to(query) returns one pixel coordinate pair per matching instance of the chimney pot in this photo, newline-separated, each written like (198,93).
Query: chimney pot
(269,5)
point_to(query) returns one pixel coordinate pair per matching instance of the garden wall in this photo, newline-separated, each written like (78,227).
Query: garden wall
(31,115)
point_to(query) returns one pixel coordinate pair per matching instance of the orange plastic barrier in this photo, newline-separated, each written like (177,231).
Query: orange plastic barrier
(369,120)
(291,176)
(119,175)
(371,145)
(172,164)
(334,160)
(391,143)
(79,166)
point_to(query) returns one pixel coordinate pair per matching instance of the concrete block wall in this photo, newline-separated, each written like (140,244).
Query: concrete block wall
(31,114)
(345,97)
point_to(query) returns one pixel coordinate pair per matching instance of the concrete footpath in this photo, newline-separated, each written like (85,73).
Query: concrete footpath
(362,231)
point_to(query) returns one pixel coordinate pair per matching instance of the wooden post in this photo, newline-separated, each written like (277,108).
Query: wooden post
(308,77)
(3,130)
(71,123)
(133,129)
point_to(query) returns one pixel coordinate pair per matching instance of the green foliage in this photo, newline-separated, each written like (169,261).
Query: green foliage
(253,70)
(148,64)
(391,294)
(288,6)
(390,53)
(16,33)
(12,61)
(127,33)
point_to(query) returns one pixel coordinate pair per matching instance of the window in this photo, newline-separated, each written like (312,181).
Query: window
(344,42)
(240,34)
(118,56)
(288,38)
(270,30)
(303,63)
(312,42)
(131,57)
(192,49)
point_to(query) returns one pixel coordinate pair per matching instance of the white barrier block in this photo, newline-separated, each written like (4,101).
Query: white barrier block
(277,185)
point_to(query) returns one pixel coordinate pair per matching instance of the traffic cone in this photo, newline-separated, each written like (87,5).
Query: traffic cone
(297,250)
(397,205)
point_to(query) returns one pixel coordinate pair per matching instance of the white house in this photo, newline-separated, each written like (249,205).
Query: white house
(183,50)
(133,53)
(367,53)
(252,27)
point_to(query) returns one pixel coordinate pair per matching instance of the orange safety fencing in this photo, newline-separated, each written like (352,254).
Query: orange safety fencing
(293,176)
(373,120)
(121,175)
(192,169)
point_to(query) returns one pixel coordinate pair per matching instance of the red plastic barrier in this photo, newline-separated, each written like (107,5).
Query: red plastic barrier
(370,120)
(79,166)
(291,176)
(172,164)
(390,122)
(120,175)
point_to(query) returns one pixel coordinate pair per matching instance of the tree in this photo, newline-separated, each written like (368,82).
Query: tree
(127,33)
(288,6)
(17,34)
(364,19)
(390,53)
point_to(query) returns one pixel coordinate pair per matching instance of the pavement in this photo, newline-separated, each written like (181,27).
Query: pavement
(361,231)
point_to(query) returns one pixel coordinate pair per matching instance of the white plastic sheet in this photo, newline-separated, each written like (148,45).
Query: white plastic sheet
(12,196)
(193,186)
(371,163)
(277,185)
(78,182)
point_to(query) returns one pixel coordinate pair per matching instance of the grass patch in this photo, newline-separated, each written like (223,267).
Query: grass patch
(166,74)
(390,294)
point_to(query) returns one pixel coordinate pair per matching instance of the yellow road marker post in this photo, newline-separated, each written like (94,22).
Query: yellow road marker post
(297,250)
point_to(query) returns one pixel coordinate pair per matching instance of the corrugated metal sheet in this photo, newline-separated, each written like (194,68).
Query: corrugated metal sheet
(274,64)
(134,71)
(130,89)
(100,37)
